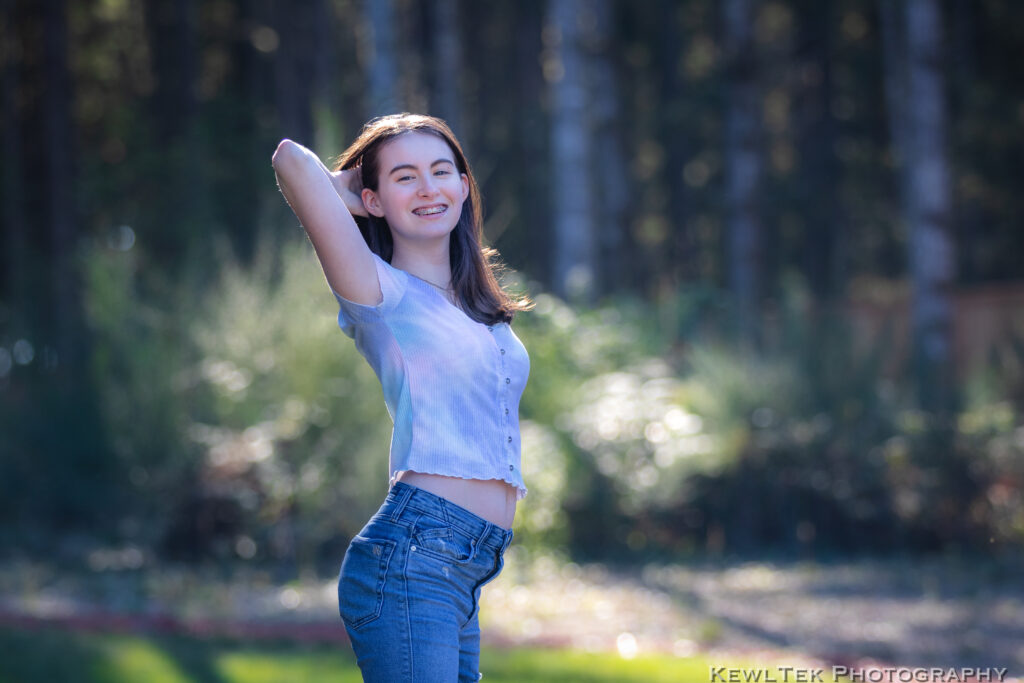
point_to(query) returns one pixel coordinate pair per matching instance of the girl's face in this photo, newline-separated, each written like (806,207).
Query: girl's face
(420,191)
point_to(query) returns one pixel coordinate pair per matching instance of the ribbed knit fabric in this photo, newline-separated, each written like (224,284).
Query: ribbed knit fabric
(451,385)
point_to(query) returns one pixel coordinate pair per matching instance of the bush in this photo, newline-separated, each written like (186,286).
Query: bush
(236,421)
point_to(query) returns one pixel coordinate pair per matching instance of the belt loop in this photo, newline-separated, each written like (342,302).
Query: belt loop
(404,493)
(485,533)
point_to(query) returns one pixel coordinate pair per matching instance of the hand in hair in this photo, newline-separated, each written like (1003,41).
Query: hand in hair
(349,186)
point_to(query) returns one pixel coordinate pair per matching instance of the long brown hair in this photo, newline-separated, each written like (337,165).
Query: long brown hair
(474,266)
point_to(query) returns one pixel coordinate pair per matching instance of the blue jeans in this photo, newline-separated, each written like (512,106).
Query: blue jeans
(409,588)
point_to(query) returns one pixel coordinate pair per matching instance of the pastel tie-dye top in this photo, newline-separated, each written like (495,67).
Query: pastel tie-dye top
(452,385)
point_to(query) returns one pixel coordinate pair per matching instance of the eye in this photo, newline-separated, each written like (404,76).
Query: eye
(442,172)
(404,178)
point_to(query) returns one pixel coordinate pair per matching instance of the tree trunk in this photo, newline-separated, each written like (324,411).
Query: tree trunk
(534,215)
(975,231)
(680,258)
(928,205)
(59,155)
(823,226)
(295,71)
(15,234)
(448,66)
(378,57)
(572,201)
(894,49)
(172,29)
(325,100)
(742,165)
(610,167)
(174,48)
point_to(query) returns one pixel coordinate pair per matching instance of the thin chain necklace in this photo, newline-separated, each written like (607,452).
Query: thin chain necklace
(446,291)
(443,289)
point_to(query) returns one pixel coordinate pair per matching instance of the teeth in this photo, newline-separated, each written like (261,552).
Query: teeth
(424,212)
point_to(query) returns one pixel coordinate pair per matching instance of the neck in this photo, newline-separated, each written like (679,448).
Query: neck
(429,262)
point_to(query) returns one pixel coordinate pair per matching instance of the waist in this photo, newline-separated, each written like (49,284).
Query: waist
(489,500)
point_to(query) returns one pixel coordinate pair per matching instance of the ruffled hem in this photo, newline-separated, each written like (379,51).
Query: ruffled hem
(521,490)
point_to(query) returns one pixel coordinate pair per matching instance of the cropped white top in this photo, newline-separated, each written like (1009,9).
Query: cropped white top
(451,385)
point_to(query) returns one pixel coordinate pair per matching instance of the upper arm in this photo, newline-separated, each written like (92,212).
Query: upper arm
(346,260)
(392,287)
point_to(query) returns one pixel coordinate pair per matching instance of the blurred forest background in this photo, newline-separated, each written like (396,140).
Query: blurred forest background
(774,245)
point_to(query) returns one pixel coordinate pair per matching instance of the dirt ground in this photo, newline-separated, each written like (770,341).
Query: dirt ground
(920,613)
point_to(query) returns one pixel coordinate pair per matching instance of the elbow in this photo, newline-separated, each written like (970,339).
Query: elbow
(286,150)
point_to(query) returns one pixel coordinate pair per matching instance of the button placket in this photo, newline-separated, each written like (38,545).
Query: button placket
(503,405)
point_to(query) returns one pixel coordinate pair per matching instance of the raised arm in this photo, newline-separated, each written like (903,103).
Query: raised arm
(314,194)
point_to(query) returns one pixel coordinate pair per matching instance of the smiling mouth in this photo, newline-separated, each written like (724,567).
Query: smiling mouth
(431,210)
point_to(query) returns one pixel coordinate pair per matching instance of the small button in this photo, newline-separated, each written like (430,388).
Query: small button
(506,411)
(510,439)
(511,467)
(507,380)
(413,548)
(503,352)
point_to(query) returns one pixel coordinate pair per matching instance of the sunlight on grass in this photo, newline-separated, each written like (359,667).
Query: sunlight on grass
(253,667)
(135,659)
(563,666)
(56,655)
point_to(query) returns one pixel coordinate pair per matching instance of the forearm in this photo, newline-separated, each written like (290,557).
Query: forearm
(299,171)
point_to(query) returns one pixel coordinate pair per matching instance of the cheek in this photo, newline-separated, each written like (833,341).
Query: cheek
(393,200)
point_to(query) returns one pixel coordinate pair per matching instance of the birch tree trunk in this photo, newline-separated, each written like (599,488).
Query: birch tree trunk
(742,164)
(572,201)
(928,205)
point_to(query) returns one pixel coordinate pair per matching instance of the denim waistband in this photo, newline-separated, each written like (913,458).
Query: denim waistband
(404,497)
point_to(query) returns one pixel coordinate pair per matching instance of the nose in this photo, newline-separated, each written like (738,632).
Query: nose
(427,186)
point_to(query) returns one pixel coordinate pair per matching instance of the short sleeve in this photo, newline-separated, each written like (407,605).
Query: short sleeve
(392,286)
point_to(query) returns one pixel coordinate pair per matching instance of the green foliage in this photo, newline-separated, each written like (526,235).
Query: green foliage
(138,355)
(291,417)
(803,444)
(243,425)
(820,449)
(238,411)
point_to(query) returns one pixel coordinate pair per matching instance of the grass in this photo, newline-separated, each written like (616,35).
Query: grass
(53,655)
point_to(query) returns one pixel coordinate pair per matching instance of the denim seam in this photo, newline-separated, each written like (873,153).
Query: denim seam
(407,610)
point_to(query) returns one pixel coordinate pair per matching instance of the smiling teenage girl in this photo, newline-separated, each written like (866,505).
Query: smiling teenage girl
(397,229)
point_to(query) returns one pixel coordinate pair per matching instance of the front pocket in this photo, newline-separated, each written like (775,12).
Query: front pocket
(437,539)
(361,582)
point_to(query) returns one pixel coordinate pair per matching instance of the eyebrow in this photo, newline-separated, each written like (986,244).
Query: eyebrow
(410,166)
